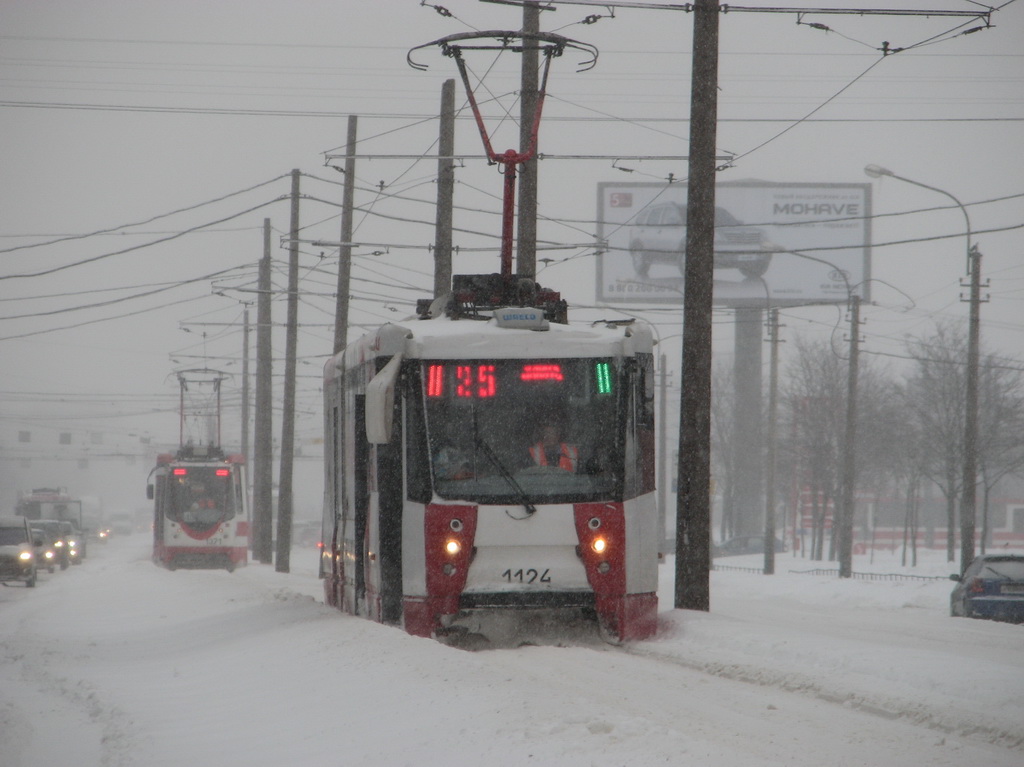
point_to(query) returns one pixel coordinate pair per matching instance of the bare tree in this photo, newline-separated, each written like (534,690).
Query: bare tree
(880,432)
(935,396)
(813,389)
(1000,429)
(907,466)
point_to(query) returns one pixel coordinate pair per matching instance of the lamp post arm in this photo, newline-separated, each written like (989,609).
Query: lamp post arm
(963,209)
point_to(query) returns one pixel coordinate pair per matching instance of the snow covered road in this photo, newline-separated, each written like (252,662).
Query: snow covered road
(118,663)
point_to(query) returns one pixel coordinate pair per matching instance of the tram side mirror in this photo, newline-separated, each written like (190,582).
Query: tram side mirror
(380,402)
(149,492)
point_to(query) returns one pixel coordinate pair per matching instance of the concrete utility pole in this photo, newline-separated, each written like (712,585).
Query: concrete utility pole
(445,193)
(968,504)
(263,458)
(663,454)
(773,420)
(245,391)
(850,446)
(345,248)
(526,236)
(284,482)
(693,506)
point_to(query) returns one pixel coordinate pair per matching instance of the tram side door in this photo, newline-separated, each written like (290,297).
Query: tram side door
(361,498)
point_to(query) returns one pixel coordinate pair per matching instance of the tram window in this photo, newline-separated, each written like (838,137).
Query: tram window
(484,416)
(416,452)
(201,496)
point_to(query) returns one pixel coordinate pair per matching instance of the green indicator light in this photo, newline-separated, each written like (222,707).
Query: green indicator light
(604,377)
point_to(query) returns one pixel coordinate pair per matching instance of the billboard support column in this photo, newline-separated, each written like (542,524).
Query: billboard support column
(747,421)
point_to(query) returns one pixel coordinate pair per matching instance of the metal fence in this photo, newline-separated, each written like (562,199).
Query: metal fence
(825,571)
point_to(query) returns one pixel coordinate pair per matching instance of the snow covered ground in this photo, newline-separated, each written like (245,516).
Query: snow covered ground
(120,663)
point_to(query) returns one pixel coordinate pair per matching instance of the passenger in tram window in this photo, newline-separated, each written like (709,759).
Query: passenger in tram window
(452,463)
(551,450)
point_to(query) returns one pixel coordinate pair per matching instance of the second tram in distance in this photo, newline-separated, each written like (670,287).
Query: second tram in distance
(200,509)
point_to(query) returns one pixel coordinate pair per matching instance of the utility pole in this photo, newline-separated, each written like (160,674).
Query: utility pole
(245,391)
(968,504)
(773,419)
(662,453)
(284,482)
(263,458)
(345,248)
(445,193)
(693,505)
(850,446)
(526,239)
(748,450)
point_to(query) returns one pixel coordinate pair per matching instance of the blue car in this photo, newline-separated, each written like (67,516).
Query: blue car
(991,588)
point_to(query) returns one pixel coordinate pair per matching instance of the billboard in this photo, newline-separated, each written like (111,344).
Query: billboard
(776,244)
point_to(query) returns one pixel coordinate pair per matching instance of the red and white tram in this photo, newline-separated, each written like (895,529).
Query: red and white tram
(200,509)
(441,508)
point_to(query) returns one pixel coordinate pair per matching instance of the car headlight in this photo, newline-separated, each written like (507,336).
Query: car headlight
(26,556)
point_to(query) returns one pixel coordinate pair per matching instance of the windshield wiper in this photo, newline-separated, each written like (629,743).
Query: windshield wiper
(506,475)
(1004,576)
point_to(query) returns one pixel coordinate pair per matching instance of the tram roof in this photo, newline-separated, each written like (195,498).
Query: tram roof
(444,338)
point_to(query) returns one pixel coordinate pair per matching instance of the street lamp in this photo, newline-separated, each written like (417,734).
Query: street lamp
(967,503)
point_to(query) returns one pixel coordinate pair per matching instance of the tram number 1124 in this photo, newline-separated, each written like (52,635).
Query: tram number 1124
(526,576)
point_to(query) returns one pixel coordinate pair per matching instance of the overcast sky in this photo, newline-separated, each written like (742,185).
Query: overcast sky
(187,115)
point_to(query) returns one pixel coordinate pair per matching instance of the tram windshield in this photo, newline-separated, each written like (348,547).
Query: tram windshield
(201,496)
(525,431)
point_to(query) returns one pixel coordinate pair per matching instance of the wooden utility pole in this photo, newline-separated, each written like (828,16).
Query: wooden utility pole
(263,458)
(345,248)
(526,236)
(284,482)
(693,505)
(445,193)
(845,537)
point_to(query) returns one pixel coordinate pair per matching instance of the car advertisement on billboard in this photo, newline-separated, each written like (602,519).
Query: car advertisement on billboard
(776,244)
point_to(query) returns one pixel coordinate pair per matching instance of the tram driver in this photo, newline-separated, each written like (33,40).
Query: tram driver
(551,450)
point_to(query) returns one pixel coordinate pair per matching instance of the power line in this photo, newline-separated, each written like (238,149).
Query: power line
(424,118)
(174,236)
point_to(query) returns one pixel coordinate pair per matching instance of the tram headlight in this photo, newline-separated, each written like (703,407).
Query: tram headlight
(452,546)
(599,545)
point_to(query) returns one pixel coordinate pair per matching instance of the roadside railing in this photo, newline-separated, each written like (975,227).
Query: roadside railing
(835,572)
